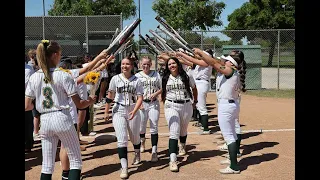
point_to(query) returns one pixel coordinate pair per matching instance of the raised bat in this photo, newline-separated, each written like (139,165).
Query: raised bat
(150,46)
(156,44)
(122,37)
(171,30)
(164,42)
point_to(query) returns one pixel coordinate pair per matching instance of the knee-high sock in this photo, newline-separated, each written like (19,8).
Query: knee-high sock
(74,174)
(238,143)
(45,176)
(233,156)
(173,149)
(204,122)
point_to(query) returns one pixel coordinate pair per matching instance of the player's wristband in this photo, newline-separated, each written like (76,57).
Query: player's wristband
(108,100)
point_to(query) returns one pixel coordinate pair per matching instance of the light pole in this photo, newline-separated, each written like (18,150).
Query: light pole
(139,30)
(44,13)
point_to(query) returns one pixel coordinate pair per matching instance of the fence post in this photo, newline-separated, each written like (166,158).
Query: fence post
(43,34)
(121,27)
(278,85)
(201,39)
(87,35)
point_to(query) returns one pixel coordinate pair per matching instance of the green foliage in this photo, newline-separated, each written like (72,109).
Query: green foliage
(263,14)
(90,7)
(71,7)
(190,14)
(112,7)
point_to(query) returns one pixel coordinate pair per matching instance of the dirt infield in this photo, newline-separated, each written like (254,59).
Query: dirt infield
(269,154)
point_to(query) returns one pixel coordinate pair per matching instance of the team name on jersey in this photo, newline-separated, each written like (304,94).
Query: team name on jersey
(126,89)
(175,87)
(146,84)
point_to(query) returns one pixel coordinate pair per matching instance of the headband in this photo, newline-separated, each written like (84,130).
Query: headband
(229,58)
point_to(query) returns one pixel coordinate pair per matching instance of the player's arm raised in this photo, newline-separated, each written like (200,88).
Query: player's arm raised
(192,60)
(70,88)
(91,64)
(103,64)
(215,63)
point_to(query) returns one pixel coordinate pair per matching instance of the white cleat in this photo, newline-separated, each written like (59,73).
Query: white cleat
(205,132)
(221,142)
(97,105)
(136,160)
(142,147)
(182,150)
(224,147)
(228,170)
(124,173)
(228,156)
(225,162)
(154,157)
(173,166)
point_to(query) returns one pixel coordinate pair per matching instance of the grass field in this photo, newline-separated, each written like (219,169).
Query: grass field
(285,61)
(272,93)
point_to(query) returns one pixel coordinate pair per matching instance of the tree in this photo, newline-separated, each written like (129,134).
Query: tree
(263,14)
(93,7)
(71,8)
(111,7)
(190,14)
(209,42)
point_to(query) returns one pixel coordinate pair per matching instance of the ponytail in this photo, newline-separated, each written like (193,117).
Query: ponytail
(44,52)
(242,71)
(239,58)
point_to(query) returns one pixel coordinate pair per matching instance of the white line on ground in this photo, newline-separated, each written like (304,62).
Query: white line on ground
(189,133)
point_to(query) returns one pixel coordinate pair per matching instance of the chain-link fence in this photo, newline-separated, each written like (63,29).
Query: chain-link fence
(270,54)
(76,34)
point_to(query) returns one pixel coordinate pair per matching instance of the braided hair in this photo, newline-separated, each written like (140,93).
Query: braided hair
(181,72)
(238,56)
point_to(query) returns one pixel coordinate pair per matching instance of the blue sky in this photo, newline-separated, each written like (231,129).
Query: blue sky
(147,15)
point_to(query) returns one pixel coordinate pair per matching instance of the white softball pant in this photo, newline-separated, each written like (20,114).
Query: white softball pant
(123,126)
(203,87)
(54,126)
(227,114)
(151,110)
(238,129)
(178,117)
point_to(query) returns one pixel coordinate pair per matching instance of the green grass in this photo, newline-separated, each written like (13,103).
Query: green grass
(272,93)
(285,61)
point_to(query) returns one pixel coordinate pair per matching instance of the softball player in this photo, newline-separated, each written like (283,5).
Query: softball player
(237,123)
(151,82)
(176,95)
(201,74)
(228,87)
(66,64)
(52,88)
(128,92)
(28,123)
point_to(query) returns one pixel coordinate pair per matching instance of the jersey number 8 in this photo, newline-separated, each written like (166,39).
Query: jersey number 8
(48,102)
